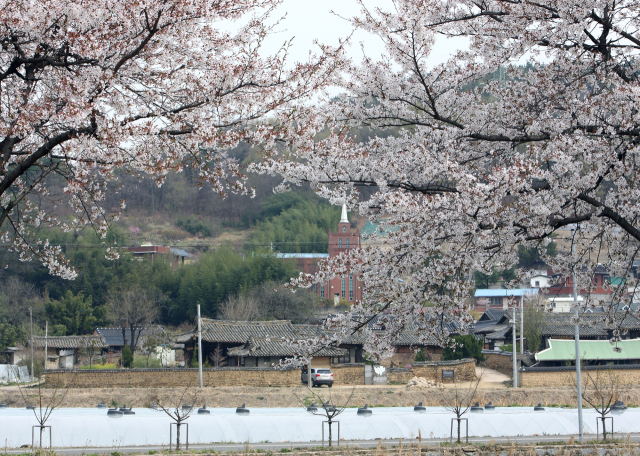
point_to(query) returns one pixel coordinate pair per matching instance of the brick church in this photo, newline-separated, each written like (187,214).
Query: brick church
(338,289)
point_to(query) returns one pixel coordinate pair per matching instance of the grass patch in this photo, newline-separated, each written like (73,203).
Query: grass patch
(100,366)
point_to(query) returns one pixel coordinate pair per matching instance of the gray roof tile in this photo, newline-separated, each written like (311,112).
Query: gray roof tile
(68,342)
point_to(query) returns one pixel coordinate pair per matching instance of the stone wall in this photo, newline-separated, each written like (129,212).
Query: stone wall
(498,361)
(627,375)
(154,378)
(344,374)
(348,374)
(464,370)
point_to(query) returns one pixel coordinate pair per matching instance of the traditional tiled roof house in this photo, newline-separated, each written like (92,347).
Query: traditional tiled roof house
(253,343)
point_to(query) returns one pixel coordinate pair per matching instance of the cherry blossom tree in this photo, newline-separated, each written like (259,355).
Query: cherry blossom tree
(88,88)
(485,155)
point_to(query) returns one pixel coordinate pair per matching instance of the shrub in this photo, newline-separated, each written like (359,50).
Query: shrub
(421,356)
(467,347)
(195,226)
(127,357)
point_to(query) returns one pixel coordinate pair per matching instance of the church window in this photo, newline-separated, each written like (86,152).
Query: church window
(340,243)
(350,287)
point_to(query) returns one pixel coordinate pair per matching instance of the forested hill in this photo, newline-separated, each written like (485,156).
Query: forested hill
(232,256)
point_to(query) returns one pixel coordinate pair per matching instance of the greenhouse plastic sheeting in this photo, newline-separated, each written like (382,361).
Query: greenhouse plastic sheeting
(92,427)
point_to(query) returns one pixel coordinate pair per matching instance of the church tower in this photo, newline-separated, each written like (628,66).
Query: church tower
(347,288)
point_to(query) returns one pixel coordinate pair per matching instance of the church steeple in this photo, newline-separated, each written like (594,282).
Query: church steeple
(344,218)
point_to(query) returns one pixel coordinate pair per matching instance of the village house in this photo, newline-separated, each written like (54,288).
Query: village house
(116,342)
(64,352)
(489,298)
(593,352)
(13,355)
(496,330)
(151,252)
(251,343)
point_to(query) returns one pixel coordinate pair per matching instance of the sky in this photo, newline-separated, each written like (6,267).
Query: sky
(307,20)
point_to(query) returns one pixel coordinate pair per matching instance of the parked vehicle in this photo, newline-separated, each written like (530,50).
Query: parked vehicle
(319,377)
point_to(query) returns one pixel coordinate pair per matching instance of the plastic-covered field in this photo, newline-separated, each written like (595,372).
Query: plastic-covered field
(92,427)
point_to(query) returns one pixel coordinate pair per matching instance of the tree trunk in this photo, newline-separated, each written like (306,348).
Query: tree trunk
(178,436)
(41,429)
(329,432)
(134,340)
(604,429)
(459,431)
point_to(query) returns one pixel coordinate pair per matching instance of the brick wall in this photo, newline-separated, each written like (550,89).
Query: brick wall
(567,377)
(344,374)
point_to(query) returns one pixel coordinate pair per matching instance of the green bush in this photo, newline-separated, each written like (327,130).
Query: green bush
(467,347)
(127,357)
(421,356)
(195,226)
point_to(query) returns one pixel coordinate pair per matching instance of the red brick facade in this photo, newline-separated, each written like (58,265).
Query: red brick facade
(347,288)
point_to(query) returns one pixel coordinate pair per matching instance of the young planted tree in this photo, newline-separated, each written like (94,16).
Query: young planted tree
(462,401)
(323,404)
(177,409)
(44,401)
(473,157)
(600,390)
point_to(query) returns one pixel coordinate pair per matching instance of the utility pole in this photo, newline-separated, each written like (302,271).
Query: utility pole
(577,338)
(31,338)
(522,324)
(515,353)
(46,342)
(199,348)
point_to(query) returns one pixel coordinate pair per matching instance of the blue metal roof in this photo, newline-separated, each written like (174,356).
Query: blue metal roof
(302,255)
(180,252)
(491,293)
